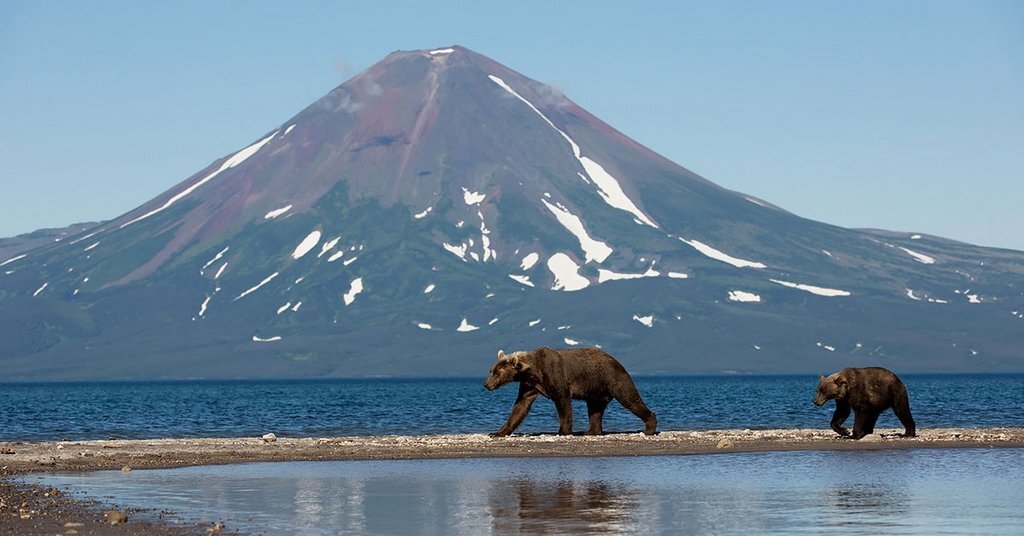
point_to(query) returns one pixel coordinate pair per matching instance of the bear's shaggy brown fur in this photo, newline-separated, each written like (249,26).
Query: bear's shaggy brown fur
(868,392)
(563,375)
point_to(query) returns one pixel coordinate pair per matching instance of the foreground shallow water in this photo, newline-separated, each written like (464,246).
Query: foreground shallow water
(926,491)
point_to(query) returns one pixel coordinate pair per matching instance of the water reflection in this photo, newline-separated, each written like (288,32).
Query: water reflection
(869,493)
(537,507)
(880,505)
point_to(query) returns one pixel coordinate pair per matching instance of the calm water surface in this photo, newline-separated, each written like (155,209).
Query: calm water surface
(53,411)
(968,491)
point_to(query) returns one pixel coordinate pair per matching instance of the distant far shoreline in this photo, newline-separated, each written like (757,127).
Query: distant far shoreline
(28,457)
(384,378)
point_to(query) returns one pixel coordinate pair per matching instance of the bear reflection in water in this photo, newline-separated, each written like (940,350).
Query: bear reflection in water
(568,506)
(850,505)
(867,392)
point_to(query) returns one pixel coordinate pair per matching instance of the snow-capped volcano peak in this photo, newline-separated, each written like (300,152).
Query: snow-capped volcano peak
(439,204)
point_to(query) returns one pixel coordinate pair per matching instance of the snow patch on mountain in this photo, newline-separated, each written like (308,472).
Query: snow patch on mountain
(214,259)
(40,289)
(421,215)
(276,212)
(442,51)
(919,257)
(234,160)
(306,245)
(608,187)
(566,272)
(677,275)
(354,289)
(485,241)
(327,246)
(743,296)
(275,338)
(820,291)
(81,239)
(472,198)
(593,249)
(713,253)
(12,259)
(204,305)
(647,320)
(608,275)
(529,261)
(522,279)
(92,246)
(459,250)
(220,270)
(465,326)
(268,279)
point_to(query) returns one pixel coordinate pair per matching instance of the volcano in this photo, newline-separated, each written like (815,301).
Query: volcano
(439,206)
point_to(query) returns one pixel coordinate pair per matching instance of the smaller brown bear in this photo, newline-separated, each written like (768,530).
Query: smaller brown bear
(868,392)
(564,375)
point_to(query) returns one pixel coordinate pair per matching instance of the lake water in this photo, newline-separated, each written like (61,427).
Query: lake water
(886,492)
(329,408)
(924,491)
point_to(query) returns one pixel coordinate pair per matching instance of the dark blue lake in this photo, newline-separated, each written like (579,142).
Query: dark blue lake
(326,408)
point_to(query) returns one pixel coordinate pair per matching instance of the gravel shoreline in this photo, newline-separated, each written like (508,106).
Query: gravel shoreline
(31,509)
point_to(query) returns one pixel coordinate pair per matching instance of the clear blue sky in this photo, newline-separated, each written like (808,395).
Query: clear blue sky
(899,115)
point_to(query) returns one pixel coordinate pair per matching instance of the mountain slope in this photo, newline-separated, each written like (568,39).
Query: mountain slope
(440,206)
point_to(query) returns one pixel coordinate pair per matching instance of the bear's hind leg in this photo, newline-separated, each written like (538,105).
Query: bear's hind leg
(864,423)
(595,408)
(902,410)
(636,405)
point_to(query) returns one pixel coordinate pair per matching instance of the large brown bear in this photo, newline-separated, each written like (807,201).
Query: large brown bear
(563,375)
(868,392)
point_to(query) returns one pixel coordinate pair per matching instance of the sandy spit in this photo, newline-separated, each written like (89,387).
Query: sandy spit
(22,457)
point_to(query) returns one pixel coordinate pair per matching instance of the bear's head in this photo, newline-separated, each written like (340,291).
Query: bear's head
(505,370)
(830,388)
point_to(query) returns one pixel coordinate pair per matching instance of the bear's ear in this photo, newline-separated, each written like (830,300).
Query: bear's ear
(821,378)
(501,354)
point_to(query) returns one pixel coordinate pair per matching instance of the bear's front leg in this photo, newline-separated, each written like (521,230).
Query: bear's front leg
(839,417)
(563,405)
(519,410)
